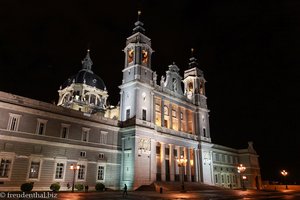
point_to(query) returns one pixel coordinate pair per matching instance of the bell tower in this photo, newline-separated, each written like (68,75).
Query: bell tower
(137,76)
(194,90)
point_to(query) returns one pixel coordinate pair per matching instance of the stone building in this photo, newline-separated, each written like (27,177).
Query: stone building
(137,142)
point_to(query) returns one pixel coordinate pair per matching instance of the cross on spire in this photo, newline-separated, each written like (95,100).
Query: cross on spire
(193,61)
(138,24)
(87,62)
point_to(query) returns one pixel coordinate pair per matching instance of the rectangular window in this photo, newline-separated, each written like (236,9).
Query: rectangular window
(181,115)
(157,107)
(174,113)
(103,137)
(64,131)
(81,172)
(101,155)
(167,151)
(157,149)
(222,178)
(13,122)
(85,134)
(166,110)
(217,157)
(100,173)
(144,114)
(34,169)
(5,167)
(41,126)
(216,178)
(204,132)
(127,114)
(175,152)
(59,171)
(82,154)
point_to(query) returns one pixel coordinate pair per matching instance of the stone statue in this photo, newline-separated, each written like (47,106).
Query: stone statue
(175,85)
(162,81)
(154,78)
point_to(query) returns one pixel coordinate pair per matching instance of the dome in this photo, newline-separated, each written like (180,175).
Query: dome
(87,77)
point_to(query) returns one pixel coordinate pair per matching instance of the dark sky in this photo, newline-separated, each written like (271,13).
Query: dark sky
(249,51)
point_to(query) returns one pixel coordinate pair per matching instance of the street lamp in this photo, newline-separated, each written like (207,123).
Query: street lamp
(181,163)
(241,170)
(284,174)
(74,168)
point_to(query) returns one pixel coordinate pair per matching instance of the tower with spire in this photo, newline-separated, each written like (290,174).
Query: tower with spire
(137,76)
(194,90)
(84,91)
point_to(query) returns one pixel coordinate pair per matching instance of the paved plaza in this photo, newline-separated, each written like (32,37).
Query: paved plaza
(201,195)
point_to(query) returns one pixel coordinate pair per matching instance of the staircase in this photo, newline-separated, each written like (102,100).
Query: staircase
(176,186)
(189,186)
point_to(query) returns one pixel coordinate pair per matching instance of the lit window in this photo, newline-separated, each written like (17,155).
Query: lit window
(13,122)
(81,172)
(34,169)
(100,173)
(166,110)
(181,115)
(157,107)
(5,167)
(59,171)
(174,113)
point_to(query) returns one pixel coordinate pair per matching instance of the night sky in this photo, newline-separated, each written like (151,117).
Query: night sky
(249,51)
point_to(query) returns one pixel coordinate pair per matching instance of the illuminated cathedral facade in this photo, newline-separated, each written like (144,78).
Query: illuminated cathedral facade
(136,143)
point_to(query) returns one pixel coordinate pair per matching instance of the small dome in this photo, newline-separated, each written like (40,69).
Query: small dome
(87,77)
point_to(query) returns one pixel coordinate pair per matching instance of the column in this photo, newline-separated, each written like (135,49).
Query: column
(162,112)
(193,123)
(178,156)
(170,115)
(186,120)
(153,112)
(188,165)
(137,107)
(122,111)
(185,157)
(171,161)
(163,161)
(196,165)
(153,160)
(179,118)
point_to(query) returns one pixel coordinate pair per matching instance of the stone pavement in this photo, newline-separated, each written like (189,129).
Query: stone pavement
(199,195)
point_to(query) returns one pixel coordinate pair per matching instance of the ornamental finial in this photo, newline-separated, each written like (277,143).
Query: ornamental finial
(87,61)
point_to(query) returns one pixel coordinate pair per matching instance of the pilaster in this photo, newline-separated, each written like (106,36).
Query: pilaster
(171,161)
(163,161)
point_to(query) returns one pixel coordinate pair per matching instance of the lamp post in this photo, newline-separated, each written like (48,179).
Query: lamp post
(284,174)
(241,170)
(74,168)
(181,163)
